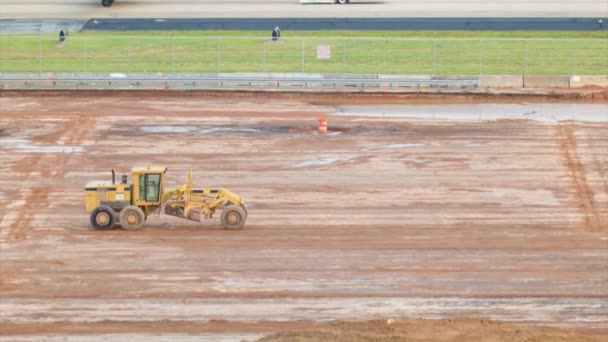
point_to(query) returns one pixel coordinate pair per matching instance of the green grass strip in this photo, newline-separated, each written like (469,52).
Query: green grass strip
(365,52)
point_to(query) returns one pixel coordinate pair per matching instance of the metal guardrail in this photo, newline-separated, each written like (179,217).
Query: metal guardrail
(201,83)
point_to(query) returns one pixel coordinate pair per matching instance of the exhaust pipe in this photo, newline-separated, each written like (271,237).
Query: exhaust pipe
(113,177)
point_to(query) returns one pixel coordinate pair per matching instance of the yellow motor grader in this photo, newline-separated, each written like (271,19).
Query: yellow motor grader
(130,204)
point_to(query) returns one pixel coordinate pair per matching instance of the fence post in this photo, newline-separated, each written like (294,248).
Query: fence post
(129,53)
(480,56)
(434,57)
(344,41)
(219,54)
(302,55)
(572,58)
(384,56)
(39,54)
(173,55)
(526,58)
(84,53)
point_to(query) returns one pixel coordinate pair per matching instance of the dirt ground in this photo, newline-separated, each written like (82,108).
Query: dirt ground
(409,219)
(456,330)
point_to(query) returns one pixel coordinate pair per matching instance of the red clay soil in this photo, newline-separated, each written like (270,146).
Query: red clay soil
(446,330)
(576,95)
(381,218)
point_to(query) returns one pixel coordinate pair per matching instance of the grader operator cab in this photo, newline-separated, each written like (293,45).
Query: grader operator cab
(130,204)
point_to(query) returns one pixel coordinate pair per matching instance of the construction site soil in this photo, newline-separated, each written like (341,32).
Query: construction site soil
(412,225)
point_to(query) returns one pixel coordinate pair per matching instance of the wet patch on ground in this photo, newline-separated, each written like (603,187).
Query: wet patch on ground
(195,129)
(316,163)
(26,145)
(252,130)
(213,130)
(391,147)
(546,112)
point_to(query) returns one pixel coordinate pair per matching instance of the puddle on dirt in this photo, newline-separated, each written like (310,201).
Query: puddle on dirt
(253,129)
(299,129)
(390,147)
(315,163)
(195,129)
(25,145)
(535,111)
(395,146)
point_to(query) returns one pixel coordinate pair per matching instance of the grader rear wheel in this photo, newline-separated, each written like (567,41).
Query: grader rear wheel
(103,218)
(132,218)
(233,217)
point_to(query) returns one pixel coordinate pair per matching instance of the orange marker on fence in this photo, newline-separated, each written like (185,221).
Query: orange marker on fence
(323,124)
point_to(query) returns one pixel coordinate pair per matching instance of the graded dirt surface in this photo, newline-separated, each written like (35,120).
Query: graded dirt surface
(381,218)
(447,330)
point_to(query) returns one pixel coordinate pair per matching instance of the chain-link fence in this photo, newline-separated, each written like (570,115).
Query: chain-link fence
(93,54)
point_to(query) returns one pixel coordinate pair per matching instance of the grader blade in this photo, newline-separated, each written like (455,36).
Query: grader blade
(192,214)
(171,211)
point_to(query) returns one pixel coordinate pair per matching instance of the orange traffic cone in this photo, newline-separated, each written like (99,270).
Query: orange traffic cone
(323,124)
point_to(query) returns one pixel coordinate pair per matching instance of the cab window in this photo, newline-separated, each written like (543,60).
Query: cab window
(142,187)
(152,187)
(149,187)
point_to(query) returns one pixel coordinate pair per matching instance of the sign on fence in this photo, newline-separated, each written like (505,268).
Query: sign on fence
(323,51)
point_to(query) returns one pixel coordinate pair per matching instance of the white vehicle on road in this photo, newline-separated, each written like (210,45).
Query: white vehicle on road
(342,2)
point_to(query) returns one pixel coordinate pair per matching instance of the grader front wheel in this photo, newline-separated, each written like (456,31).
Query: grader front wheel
(132,218)
(233,217)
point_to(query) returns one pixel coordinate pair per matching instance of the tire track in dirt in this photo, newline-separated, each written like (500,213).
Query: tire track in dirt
(577,173)
(601,172)
(37,197)
(82,127)
(599,167)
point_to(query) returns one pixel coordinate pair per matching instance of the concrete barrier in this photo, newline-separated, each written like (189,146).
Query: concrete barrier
(298,75)
(501,81)
(546,81)
(454,77)
(272,81)
(404,77)
(244,75)
(589,81)
(351,76)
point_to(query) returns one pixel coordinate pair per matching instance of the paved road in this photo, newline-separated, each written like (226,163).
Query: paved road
(27,26)
(387,24)
(292,8)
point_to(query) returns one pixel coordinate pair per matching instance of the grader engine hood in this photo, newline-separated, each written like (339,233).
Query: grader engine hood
(112,195)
